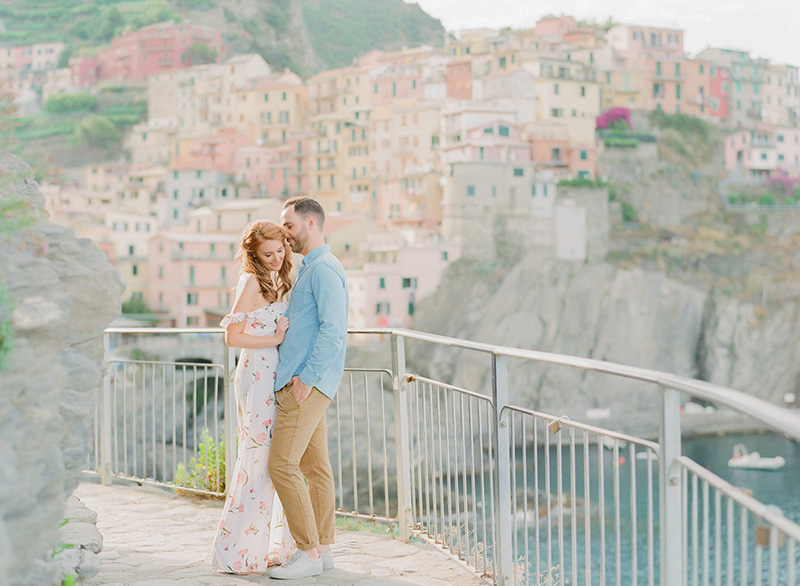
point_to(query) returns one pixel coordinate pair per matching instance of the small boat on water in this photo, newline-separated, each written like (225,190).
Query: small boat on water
(753,460)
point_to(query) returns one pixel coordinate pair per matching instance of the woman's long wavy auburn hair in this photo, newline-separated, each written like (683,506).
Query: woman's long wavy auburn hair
(254,235)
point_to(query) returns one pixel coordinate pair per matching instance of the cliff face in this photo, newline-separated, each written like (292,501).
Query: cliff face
(634,317)
(59,294)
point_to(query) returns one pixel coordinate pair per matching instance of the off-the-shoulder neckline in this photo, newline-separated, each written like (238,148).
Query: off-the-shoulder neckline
(266,306)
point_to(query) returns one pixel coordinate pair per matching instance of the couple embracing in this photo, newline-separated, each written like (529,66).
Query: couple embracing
(280,506)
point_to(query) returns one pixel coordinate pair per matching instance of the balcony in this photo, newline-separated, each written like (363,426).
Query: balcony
(503,489)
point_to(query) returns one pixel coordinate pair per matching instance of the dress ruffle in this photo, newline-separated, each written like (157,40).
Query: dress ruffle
(233,318)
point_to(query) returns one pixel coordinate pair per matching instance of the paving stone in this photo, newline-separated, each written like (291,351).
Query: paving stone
(391,549)
(154,538)
(381,572)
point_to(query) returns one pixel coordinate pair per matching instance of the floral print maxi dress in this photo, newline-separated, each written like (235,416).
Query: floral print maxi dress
(252,532)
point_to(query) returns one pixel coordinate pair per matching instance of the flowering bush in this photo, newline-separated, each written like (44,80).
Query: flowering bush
(784,183)
(608,119)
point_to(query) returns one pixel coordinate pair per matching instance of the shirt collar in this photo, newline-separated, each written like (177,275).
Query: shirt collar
(311,256)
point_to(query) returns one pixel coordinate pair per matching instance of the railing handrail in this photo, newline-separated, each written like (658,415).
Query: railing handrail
(767,512)
(152,330)
(773,415)
(417,477)
(567,422)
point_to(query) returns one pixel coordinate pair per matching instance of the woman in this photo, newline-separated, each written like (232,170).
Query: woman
(251,533)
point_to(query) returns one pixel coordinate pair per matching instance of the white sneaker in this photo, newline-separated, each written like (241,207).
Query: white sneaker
(298,566)
(327,560)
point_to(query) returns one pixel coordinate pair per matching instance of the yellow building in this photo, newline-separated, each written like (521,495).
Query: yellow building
(356,165)
(622,89)
(272,109)
(326,160)
(567,95)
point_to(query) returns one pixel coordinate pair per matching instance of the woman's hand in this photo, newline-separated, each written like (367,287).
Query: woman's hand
(281,327)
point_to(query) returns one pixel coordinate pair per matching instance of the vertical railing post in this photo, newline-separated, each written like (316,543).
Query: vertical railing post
(229,409)
(105,414)
(672,563)
(503,539)
(402,437)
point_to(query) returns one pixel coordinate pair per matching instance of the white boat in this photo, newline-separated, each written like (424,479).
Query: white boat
(753,460)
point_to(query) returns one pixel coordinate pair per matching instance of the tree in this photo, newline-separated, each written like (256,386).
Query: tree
(135,305)
(200,53)
(64,57)
(156,11)
(98,131)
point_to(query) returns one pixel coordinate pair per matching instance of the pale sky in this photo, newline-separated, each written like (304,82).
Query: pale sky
(767,28)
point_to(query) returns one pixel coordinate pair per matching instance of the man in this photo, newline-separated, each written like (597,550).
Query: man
(309,371)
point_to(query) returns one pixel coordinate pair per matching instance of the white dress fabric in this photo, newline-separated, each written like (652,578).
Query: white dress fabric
(252,533)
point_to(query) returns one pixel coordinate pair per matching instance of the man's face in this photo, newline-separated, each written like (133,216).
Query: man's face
(296,229)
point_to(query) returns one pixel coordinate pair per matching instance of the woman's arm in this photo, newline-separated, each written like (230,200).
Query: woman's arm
(234,332)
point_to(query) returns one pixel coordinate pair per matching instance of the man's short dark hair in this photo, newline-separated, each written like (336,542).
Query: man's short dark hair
(307,206)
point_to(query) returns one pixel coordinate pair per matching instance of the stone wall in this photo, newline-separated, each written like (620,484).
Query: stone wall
(62,292)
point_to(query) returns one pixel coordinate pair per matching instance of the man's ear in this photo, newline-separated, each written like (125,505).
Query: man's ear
(312,221)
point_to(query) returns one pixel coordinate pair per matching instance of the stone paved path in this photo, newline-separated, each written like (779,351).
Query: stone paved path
(154,538)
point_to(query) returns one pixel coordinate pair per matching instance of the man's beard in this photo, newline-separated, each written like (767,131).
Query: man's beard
(298,242)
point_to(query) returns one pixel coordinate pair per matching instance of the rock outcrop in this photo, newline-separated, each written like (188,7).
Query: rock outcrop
(60,293)
(597,310)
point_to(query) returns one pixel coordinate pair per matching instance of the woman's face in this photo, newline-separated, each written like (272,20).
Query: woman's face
(271,254)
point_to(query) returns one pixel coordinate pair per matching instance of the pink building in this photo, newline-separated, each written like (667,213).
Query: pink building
(677,85)
(397,83)
(190,273)
(218,151)
(753,152)
(564,158)
(632,42)
(458,78)
(22,67)
(24,58)
(264,169)
(399,272)
(490,141)
(720,92)
(787,146)
(85,71)
(556,26)
(136,55)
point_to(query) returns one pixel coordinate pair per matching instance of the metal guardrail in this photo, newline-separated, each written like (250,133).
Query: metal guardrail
(522,497)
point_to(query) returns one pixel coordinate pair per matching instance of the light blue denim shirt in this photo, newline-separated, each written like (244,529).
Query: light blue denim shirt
(314,345)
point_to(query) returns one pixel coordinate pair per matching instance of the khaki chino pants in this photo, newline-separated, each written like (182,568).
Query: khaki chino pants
(300,448)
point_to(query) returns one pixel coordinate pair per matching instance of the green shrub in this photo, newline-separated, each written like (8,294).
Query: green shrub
(207,470)
(80,102)
(98,131)
(767,199)
(620,141)
(581,182)
(629,212)
(135,305)
(683,123)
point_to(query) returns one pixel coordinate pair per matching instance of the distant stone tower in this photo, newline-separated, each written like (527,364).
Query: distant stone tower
(491,204)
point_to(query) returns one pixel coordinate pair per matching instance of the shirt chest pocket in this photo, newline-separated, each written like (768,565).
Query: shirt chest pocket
(302,302)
